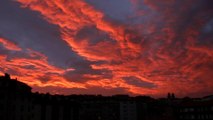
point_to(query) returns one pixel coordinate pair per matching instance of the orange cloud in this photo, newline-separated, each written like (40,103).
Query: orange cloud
(162,52)
(32,66)
(9,45)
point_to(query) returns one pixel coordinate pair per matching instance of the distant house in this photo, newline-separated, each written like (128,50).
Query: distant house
(15,99)
(195,110)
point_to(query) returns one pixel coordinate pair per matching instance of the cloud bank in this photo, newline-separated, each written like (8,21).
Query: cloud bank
(153,47)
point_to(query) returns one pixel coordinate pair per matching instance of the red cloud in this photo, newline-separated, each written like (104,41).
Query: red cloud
(31,66)
(162,50)
(9,45)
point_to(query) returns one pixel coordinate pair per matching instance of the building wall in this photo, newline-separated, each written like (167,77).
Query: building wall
(128,110)
(17,102)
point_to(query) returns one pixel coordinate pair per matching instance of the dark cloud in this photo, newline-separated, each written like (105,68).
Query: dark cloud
(83,75)
(138,82)
(94,35)
(116,11)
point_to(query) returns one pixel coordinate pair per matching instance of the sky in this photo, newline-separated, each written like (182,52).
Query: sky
(108,47)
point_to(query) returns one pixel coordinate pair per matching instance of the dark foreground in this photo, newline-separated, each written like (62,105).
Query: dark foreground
(17,102)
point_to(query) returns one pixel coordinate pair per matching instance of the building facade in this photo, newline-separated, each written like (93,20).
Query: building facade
(17,102)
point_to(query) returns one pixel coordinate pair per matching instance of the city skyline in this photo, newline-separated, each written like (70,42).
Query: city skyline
(18,102)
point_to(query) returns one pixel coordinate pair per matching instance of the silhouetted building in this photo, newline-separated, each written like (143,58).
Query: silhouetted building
(17,102)
(191,109)
(49,107)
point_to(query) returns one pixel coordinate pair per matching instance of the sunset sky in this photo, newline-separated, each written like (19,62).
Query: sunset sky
(135,47)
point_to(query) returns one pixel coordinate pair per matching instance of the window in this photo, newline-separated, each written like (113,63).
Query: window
(192,117)
(22,108)
(186,110)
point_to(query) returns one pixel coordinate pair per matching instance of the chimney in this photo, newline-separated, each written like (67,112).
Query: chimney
(7,76)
